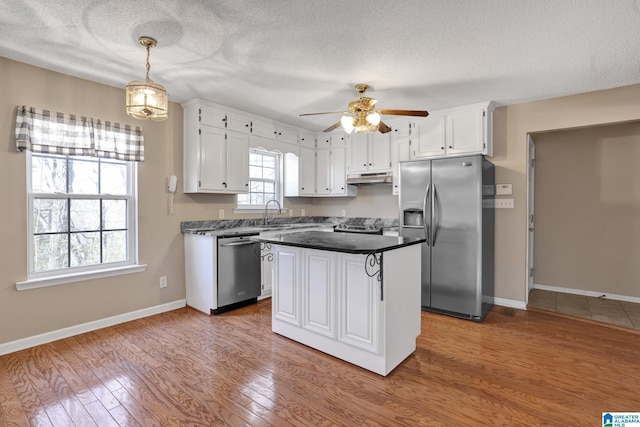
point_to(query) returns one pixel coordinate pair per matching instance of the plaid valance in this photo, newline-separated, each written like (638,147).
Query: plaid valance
(42,131)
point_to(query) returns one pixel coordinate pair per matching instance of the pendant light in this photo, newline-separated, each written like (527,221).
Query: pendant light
(147,100)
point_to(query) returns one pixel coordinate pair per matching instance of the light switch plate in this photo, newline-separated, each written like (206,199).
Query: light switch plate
(221,213)
(504,189)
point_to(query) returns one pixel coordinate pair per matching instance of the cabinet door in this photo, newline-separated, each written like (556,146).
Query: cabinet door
(429,139)
(318,292)
(212,116)
(266,271)
(285,299)
(379,152)
(307,139)
(339,139)
(323,167)
(263,128)
(237,162)
(238,123)
(465,132)
(400,151)
(358,299)
(401,129)
(286,134)
(338,171)
(323,140)
(213,165)
(357,154)
(307,171)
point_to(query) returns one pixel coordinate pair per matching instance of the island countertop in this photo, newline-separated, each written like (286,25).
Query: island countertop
(352,243)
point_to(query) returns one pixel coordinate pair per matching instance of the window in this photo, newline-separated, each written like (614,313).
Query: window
(81,213)
(264,179)
(82,196)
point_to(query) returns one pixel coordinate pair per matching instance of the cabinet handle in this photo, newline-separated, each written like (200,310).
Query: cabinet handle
(364,164)
(369,164)
(342,188)
(224,119)
(450,146)
(246,125)
(442,148)
(275,133)
(327,189)
(302,188)
(225,184)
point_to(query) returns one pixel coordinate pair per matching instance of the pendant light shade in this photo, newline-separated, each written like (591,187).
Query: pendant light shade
(147,100)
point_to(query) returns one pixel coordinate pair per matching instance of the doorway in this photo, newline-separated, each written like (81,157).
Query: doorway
(583,201)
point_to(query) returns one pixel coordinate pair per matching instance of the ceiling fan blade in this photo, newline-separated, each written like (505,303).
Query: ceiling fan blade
(335,126)
(419,113)
(383,128)
(329,112)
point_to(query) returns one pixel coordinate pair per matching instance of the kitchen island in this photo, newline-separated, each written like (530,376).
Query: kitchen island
(353,296)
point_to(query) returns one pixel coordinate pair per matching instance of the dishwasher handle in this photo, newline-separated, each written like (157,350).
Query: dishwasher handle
(236,243)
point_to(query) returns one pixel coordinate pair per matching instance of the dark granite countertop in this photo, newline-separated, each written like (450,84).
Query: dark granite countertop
(352,243)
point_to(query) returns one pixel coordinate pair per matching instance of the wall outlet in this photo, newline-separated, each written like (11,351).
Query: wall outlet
(302,212)
(290,212)
(497,203)
(163,281)
(343,212)
(221,213)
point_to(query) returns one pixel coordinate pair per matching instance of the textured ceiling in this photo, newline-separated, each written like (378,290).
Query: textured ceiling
(280,58)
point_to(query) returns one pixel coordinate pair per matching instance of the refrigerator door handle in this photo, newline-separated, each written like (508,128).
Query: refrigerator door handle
(426,220)
(435,215)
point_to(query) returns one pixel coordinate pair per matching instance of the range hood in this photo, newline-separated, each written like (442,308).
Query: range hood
(369,178)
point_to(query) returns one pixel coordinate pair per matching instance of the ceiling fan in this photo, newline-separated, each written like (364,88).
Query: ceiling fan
(363,118)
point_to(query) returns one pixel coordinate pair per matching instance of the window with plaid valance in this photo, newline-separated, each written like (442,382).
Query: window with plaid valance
(43,131)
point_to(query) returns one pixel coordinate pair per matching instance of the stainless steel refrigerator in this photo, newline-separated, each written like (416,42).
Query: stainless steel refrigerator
(442,201)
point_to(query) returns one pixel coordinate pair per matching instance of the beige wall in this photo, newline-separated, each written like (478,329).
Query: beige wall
(586,208)
(27,313)
(512,124)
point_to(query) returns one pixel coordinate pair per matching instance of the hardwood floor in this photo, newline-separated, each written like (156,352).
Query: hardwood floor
(517,368)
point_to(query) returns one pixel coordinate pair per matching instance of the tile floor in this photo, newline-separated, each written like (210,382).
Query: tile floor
(619,313)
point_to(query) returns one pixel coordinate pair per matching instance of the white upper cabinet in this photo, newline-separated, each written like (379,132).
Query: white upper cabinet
(429,137)
(368,152)
(319,172)
(400,151)
(269,129)
(323,172)
(307,172)
(306,139)
(216,159)
(454,132)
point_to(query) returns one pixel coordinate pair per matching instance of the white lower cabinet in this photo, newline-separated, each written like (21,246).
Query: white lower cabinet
(318,292)
(328,301)
(358,303)
(266,272)
(286,273)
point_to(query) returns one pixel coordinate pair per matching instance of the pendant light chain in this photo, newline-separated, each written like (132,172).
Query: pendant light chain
(148,64)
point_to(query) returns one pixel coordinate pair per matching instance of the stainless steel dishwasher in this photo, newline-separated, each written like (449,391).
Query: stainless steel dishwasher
(238,272)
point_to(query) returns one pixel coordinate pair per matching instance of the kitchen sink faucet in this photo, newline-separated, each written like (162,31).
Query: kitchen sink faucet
(266,212)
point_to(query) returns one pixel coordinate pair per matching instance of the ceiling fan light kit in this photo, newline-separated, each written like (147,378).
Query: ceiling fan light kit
(362,118)
(147,100)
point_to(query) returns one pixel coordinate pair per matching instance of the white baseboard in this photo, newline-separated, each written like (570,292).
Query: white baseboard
(587,293)
(510,303)
(35,340)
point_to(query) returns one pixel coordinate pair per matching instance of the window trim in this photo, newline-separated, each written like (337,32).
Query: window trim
(279,185)
(76,274)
